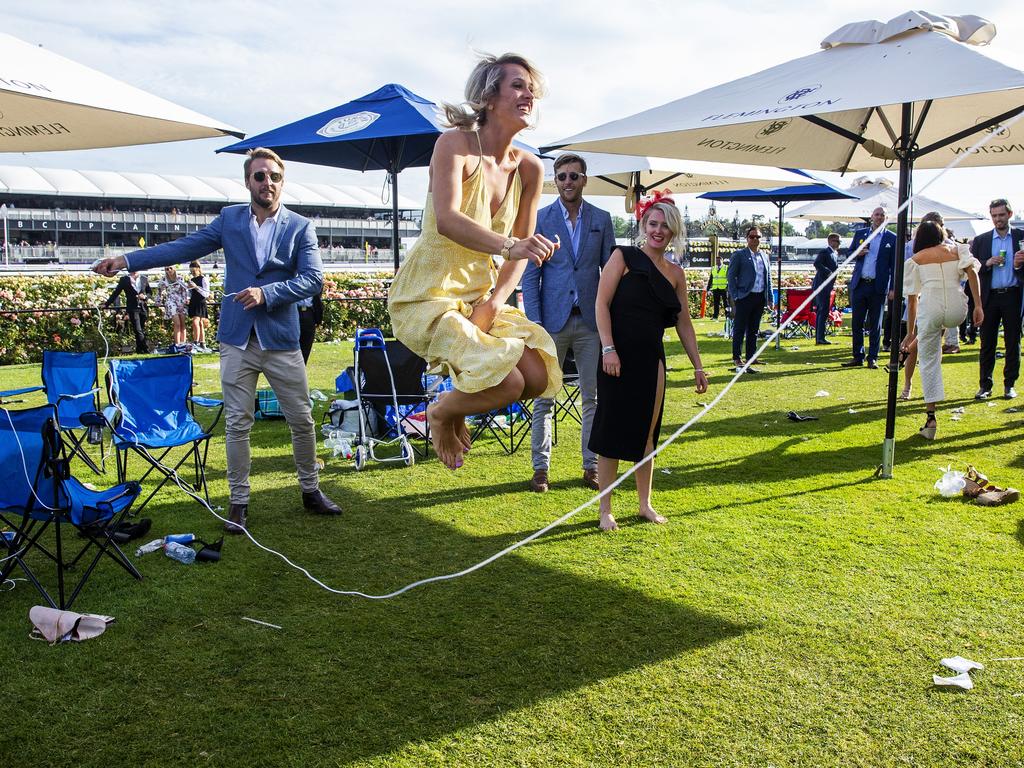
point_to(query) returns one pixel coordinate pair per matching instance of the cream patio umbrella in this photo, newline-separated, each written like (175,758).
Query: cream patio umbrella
(48,102)
(868,194)
(911,92)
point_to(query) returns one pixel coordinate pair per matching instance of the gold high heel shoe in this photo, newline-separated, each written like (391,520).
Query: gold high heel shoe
(905,394)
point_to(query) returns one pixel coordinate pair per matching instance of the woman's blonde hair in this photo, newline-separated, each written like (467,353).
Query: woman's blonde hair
(483,85)
(675,224)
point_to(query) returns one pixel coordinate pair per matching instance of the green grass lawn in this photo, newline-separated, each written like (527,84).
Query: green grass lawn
(791,613)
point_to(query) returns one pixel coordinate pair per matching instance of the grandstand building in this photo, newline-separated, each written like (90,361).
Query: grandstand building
(55,215)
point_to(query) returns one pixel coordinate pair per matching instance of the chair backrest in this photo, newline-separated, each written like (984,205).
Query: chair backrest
(151,393)
(406,367)
(27,441)
(66,375)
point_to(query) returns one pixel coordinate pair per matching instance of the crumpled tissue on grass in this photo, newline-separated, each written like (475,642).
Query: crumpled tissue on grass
(961,665)
(951,483)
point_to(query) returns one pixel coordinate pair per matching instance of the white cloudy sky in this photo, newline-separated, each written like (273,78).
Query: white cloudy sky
(260,65)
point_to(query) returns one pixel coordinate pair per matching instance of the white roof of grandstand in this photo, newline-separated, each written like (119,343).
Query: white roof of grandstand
(25,180)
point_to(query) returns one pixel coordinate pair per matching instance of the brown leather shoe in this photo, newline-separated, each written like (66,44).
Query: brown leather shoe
(539,481)
(590,479)
(236,518)
(318,503)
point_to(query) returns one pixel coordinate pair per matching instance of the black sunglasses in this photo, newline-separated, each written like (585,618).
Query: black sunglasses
(571,174)
(261,176)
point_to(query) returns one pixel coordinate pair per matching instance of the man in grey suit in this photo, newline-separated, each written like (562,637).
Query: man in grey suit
(560,295)
(749,281)
(271,261)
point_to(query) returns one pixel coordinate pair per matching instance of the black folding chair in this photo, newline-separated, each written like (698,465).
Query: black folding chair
(387,373)
(39,494)
(567,401)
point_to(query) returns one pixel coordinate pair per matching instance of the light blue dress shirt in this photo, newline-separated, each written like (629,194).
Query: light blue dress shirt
(1003,277)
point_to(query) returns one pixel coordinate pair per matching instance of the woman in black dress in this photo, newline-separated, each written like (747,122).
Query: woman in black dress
(640,294)
(199,292)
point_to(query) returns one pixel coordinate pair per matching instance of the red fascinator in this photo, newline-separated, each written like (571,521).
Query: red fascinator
(648,200)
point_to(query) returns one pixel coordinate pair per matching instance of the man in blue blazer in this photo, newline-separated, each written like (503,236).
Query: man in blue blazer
(825,264)
(749,282)
(271,261)
(560,295)
(1002,286)
(869,287)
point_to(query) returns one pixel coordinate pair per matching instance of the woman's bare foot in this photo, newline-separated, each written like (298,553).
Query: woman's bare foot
(461,430)
(607,522)
(462,433)
(443,437)
(650,515)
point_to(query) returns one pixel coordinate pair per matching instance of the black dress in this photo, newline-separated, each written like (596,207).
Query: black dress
(644,305)
(196,300)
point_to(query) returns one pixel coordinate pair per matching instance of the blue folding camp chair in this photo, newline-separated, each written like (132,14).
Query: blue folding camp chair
(69,380)
(154,414)
(39,494)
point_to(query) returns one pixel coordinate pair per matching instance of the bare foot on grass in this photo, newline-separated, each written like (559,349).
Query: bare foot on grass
(443,437)
(651,516)
(607,522)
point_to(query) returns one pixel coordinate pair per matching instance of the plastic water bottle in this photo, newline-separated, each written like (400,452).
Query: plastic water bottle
(180,552)
(180,538)
(152,546)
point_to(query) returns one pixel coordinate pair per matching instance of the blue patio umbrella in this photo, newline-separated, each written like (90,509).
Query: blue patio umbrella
(779,197)
(390,129)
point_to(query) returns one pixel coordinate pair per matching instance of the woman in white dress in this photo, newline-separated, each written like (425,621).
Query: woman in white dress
(933,275)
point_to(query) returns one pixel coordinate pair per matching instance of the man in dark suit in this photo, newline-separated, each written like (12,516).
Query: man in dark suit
(560,295)
(825,264)
(311,314)
(869,286)
(271,261)
(136,290)
(749,283)
(1002,278)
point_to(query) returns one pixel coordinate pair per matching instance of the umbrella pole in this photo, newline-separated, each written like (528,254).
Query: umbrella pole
(778,302)
(906,167)
(394,217)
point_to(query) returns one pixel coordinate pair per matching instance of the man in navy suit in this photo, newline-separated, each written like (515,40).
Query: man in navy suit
(749,282)
(825,264)
(1002,278)
(271,261)
(560,295)
(869,287)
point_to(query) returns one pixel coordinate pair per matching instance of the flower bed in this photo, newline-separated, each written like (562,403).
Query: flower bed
(71,304)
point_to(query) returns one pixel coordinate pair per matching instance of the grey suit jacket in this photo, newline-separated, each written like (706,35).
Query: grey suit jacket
(550,290)
(741,274)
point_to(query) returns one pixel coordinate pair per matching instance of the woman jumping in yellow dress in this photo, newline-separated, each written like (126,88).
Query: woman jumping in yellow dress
(447,302)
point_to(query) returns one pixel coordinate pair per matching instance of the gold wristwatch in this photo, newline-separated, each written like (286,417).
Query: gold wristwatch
(507,247)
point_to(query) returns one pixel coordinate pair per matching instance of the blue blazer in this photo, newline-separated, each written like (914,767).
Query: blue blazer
(884,264)
(293,272)
(824,265)
(550,290)
(740,275)
(981,249)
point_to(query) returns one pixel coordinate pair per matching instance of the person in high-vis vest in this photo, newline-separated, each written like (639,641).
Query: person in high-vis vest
(717,283)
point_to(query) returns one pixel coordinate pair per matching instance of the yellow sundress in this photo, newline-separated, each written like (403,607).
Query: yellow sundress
(434,292)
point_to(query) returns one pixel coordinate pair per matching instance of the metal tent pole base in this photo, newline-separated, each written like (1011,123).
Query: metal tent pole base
(888,455)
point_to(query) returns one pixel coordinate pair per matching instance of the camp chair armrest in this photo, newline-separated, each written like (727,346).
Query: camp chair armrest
(22,391)
(206,402)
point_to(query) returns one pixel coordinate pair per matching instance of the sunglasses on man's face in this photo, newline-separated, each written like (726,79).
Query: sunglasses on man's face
(261,176)
(571,175)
